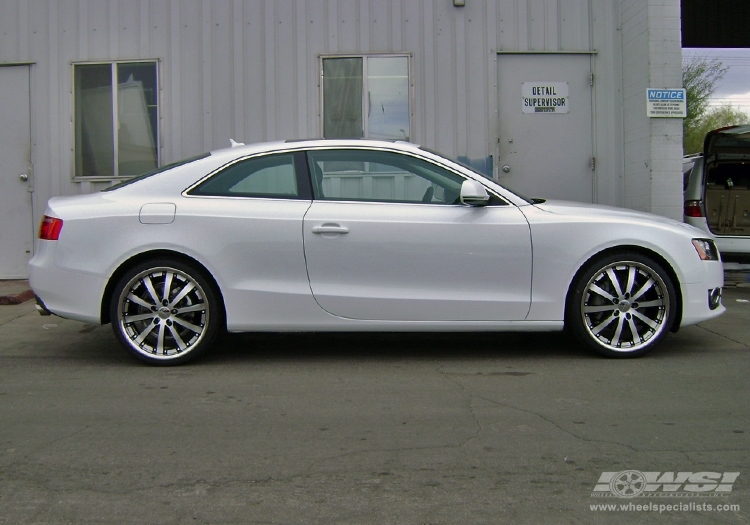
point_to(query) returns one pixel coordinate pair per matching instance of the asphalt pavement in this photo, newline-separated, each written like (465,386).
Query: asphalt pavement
(373,428)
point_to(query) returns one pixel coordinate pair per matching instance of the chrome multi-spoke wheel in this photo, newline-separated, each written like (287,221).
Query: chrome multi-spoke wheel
(623,305)
(164,312)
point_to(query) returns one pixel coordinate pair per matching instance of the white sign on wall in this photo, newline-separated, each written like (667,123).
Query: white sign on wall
(545,97)
(666,103)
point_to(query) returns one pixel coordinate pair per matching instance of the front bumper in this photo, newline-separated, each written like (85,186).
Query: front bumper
(702,301)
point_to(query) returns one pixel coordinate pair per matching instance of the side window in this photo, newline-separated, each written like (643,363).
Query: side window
(378,176)
(270,176)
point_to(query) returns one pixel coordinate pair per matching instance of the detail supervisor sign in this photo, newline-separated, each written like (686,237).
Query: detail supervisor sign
(666,103)
(545,97)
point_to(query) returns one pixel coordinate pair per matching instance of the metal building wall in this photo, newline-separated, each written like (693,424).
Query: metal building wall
(248,69)
(558,25)
(579,26)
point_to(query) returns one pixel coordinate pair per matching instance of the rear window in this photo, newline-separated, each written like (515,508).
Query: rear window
(157,171)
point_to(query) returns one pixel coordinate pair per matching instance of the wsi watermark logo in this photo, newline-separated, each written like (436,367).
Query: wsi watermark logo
(637,484)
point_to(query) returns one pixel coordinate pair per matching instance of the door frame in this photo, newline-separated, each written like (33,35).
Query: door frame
(31,183)
(592,56)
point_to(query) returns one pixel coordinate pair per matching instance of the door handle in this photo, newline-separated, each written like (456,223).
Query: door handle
(330,228)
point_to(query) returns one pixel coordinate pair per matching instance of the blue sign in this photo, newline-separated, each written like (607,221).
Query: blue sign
(666,94)
(666,103)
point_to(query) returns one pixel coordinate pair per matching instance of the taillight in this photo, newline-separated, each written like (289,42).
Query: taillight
(693,209)
(50,228)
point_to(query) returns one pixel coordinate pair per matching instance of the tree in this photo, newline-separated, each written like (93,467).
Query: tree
(716,117)
(699,78)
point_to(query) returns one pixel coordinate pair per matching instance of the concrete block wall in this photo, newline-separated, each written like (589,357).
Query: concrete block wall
(651,47)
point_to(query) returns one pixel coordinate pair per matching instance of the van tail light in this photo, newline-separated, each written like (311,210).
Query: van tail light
(693,209)
(50,228)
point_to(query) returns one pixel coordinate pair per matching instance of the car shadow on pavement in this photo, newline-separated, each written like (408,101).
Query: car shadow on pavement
(390,346)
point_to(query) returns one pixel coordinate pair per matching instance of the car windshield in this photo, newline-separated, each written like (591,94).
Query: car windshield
(157,171)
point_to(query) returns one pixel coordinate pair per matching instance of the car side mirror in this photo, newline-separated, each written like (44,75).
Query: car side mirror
(474,194)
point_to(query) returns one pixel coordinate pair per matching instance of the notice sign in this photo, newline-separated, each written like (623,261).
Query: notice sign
(667,103)
(545,97)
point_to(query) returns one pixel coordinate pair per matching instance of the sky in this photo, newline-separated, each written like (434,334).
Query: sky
(734,88)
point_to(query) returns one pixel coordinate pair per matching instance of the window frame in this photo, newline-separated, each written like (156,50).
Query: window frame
(365,119)
(116,177)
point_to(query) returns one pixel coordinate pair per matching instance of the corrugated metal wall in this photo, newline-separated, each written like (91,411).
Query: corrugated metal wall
(249,70)
(546,25)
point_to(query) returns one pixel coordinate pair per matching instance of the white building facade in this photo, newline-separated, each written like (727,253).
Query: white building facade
(545,96)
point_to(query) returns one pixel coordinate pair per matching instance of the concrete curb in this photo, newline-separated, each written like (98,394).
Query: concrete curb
(18,298)
(736,278)
(736,274)
(15,292)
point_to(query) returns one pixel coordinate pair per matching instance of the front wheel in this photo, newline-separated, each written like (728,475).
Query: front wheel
(623,305)
(165,312)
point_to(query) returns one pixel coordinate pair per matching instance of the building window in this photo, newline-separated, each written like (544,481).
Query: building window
(366,97)
(116,130)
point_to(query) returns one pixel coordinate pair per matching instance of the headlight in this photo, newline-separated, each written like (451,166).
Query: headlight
(706,249)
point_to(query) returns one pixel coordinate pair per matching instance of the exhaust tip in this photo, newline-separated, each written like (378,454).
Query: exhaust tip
(41,308)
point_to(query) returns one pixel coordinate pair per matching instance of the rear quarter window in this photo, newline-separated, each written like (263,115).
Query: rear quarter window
(272,176)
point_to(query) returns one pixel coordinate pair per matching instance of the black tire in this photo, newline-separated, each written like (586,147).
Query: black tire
(622,305)
(165,328)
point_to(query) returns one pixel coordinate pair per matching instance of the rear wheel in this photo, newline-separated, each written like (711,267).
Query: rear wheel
(165,312)
(622,305)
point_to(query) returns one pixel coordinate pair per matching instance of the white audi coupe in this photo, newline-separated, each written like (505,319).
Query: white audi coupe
(360,235)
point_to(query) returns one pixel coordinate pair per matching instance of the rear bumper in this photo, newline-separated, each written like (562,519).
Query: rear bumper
(73,295)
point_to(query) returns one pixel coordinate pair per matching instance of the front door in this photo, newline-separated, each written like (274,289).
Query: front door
(16,226)
(386,239)
(545,138)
